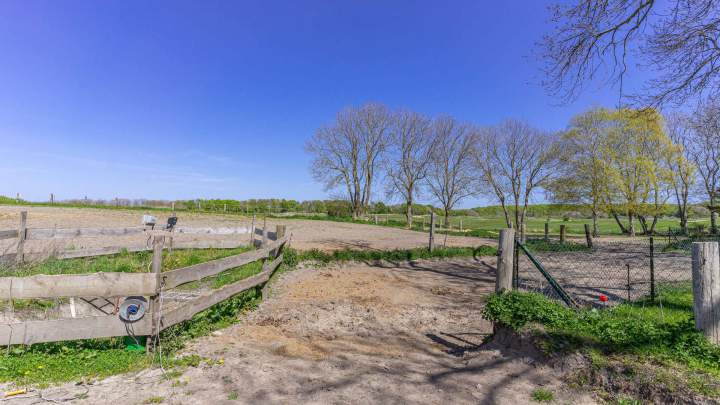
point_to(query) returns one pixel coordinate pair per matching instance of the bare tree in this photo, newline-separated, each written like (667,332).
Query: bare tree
(347,153)
(408,157)
(449,178)
(678,39)
(681,164)
(705,152)
(515,159)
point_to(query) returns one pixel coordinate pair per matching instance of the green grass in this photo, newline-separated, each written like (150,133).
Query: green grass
(540,245)
(542,395)
(661,332)
(489,227)
(124,262)
(346,255)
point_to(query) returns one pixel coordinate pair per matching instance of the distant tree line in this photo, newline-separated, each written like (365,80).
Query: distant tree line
(628,164)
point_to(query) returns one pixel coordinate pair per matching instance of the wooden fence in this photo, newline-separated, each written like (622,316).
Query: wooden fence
(115,285)
(23,234)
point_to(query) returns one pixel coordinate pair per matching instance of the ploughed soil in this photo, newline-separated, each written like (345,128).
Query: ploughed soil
(359,333)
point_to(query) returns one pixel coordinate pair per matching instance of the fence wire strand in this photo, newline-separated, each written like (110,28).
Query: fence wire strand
(612,271)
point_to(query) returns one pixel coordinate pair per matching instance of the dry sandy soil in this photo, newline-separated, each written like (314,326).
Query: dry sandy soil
(307,234)
(397,333)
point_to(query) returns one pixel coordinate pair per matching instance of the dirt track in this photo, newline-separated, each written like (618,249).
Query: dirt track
(307,234)
(406,333)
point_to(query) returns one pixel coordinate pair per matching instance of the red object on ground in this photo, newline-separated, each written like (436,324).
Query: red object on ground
(603,298)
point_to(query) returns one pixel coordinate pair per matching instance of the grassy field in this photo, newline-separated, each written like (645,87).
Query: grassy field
(124,262)
(491,226)
(641,337)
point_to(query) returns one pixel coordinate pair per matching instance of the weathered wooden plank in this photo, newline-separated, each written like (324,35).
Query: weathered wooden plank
(9,234)
(69,329)
(213,231)
(209,299)
(208,244)
(60,233)
(8,258)
(706,288)
(110,250)
(199,271)
(273,265)
(77,285)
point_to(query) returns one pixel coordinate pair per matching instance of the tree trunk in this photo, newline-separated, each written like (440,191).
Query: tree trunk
(409,213)
(594,223)
(446,221)
(508,222)
(713,218)
(654,223)
(619,222)
(631,224)
(643,224)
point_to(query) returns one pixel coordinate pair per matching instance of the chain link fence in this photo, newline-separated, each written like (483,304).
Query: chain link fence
(604,271)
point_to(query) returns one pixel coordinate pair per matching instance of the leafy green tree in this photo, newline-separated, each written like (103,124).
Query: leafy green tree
(633,157)
(582,179)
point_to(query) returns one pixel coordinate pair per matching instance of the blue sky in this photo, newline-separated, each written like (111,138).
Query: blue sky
(211,99)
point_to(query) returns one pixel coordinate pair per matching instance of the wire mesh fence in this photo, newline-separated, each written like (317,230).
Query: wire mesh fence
(604,271)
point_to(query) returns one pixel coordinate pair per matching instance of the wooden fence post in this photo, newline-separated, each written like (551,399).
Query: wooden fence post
(588,236)
(22,233)
(706,288)
(154,305)
(279,231)
(506,251)
(431,242)
(252,232)
(264,238)
(562,233)
(547,231)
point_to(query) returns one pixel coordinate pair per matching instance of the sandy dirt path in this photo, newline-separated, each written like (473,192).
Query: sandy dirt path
(399,333)
(307,234)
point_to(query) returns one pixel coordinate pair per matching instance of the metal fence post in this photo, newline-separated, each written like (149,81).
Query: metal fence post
(588,236)
(628,280)
(652,269)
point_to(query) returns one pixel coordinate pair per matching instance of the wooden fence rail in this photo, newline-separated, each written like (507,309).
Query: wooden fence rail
(77,285)
(67,233)
(126,284)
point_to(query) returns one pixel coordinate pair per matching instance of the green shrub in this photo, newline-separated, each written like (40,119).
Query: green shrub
(542,395)
(663,329)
